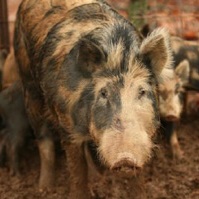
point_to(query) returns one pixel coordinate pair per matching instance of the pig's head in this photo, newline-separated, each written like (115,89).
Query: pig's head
(118,106)
(124,113)
(172,93)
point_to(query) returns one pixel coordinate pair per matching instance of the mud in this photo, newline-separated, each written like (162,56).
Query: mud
(164,178)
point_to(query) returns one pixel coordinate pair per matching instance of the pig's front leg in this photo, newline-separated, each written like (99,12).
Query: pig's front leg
(175,146)
(47,155)
(78,171)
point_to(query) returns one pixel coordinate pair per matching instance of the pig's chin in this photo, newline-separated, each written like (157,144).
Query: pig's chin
(126,172)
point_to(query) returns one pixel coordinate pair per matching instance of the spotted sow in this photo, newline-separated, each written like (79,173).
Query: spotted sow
(90,76)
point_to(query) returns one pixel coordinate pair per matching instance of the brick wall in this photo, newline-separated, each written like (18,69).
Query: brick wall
(180,16)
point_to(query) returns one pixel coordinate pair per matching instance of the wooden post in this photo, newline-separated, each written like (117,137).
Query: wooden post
(4,30)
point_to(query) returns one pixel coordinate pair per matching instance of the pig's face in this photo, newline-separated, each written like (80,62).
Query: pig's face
(172,93)
(124,118)
(124,114)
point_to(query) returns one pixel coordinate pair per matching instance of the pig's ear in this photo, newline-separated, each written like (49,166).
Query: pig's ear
(90,57)
(156,49)
(182,70)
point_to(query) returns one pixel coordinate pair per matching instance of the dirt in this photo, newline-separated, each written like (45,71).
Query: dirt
(163,177)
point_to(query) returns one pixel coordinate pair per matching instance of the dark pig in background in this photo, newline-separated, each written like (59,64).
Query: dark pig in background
(88,74)
(15,130)
(183,49)
(172,101)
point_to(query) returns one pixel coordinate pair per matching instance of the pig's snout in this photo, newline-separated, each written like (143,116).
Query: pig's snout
(171,118)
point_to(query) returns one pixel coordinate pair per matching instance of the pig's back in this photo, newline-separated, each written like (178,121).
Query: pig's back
(52,30)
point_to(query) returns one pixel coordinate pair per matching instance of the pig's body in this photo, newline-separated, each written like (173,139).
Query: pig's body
(87,73)
(14,127)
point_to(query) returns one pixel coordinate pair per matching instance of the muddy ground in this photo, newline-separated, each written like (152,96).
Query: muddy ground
(163,178)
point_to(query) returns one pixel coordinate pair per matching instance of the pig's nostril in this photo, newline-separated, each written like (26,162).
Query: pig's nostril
(118,124)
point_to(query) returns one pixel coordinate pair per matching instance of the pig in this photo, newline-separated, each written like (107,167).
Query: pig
(10,70)
(89,76)
(15,130)
(172,101)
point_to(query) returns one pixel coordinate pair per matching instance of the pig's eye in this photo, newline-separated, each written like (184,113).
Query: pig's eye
(177,88)
(104,93)
(142,92)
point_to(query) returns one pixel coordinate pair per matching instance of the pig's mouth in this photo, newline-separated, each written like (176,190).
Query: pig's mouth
(126,167)
(171,118)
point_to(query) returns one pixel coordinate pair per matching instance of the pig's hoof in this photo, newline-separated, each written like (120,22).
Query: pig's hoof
(45,186)
(44,189)
(15,173)
(178,154)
